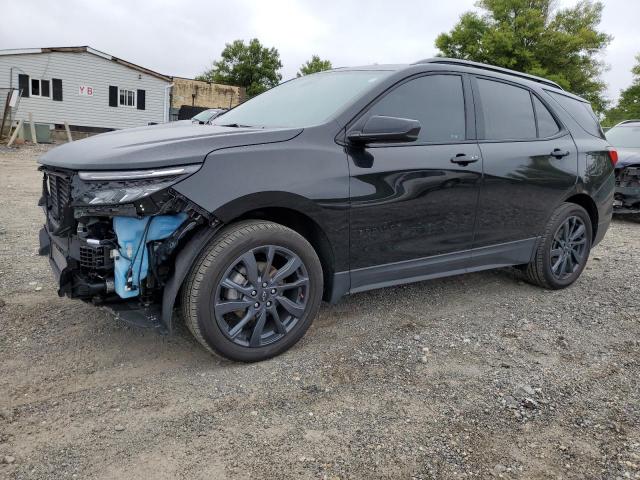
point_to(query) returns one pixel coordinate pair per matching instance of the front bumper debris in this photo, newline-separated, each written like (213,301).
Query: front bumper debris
(119,257)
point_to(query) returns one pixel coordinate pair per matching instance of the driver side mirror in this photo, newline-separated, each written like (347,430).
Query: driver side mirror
(380,129)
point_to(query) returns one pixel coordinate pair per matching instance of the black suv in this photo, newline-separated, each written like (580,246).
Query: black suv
(329,184)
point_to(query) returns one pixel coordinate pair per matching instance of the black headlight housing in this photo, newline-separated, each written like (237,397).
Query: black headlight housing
(126,187)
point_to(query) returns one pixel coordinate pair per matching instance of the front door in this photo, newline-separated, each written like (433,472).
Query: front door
(413,205)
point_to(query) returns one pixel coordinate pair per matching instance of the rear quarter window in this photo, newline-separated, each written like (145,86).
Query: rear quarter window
(547,125)
(581,112)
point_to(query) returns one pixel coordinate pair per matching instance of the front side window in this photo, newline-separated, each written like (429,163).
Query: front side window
(305,101)
(40,88)
(436,101)
(507,111)
(127,98)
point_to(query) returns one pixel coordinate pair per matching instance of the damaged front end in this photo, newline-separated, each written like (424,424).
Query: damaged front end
(112,237)
(627,194)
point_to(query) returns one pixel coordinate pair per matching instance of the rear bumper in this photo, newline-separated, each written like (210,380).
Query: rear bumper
(627,194)
(602,230)
(627,200)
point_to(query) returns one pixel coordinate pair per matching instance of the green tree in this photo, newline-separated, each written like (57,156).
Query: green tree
(628,106)
(532,36)
(314,65)
(251,66)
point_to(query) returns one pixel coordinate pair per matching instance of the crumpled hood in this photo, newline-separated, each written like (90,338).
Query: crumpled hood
(158,146)
(627,156)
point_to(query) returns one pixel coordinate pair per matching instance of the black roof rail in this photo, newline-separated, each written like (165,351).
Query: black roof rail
(484,66)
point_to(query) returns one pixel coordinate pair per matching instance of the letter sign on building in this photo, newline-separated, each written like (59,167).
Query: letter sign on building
(86,91)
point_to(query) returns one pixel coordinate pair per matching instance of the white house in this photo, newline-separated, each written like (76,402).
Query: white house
(91,90)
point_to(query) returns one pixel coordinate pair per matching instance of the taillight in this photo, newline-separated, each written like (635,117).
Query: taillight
(613,156)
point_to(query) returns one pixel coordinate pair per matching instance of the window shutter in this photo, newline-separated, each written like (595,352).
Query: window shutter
(113,96)
(56,85)
(23,84)
(141,100)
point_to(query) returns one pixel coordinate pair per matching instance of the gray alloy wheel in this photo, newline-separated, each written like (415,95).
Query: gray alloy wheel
(568,247)
(253,292)
(563,249)
(261,296)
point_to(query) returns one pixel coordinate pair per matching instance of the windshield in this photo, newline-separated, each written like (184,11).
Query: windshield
(204,116)
(302,102)
(624,137)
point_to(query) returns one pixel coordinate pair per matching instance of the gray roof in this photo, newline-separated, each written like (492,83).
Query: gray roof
(87,49)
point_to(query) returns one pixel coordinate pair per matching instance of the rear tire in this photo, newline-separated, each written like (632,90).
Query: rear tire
(563,250)
(253,292)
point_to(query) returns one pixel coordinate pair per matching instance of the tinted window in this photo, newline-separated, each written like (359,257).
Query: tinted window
(507,111)
(305,101)
(45,88)
(437,101)
(627,136)
(547,126)
(581,112)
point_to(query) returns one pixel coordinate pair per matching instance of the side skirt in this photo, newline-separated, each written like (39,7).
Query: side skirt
(438,266)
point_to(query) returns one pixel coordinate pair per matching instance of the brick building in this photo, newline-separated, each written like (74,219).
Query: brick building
(193,96)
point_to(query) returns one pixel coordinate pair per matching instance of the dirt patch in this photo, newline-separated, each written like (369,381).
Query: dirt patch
(473,376)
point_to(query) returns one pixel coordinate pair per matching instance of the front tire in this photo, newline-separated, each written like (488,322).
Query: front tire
(563,250)
(253,292)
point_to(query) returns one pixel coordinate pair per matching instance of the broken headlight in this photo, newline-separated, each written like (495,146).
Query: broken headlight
(114,187)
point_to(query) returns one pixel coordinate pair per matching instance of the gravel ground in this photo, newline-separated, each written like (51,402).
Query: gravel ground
(476,376)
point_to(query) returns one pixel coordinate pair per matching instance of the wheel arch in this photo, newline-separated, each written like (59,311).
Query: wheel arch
(586,202)
(305,226)
(271,206)
(296,212)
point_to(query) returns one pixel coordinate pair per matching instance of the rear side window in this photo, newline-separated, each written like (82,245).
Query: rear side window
(507,111)
(547,125)
(581,112)
(436,101)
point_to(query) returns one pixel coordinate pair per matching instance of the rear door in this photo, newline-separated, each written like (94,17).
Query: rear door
(530,163)
(411,202)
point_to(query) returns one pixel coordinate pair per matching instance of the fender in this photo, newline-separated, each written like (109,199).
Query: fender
(329,217)
(226,214)
(185,259)
(273,199)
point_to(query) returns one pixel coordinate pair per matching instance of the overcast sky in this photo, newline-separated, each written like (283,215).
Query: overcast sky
(182,37)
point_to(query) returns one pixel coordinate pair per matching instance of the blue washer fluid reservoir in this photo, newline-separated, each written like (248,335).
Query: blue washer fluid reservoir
(132,240)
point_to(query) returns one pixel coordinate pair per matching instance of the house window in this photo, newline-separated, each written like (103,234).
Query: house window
(127,98)
(40,88)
